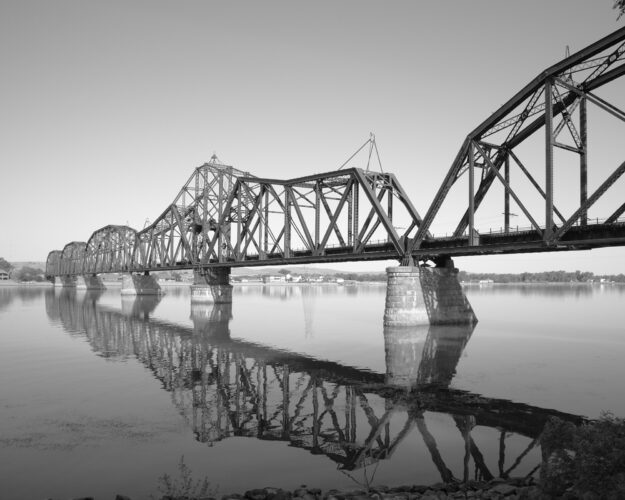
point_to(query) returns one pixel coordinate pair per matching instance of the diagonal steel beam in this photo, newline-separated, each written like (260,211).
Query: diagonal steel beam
(335,217)
(507,187)
(384,218)
(328,210)
(534,183)
(590,201)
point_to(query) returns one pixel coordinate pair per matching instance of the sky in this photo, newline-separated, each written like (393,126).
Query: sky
(107,107)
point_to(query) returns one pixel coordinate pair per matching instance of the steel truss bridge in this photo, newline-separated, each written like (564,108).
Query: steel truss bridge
(225,388)
(224,217)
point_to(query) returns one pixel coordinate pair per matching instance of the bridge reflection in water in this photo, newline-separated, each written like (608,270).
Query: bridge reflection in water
(225,387)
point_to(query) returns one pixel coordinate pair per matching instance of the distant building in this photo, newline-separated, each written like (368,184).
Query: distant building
(278,278)
(4,275)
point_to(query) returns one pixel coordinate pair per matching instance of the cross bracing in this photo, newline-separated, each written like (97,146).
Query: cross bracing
(225,217)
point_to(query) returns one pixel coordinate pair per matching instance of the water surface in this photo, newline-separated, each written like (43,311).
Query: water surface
(292,385)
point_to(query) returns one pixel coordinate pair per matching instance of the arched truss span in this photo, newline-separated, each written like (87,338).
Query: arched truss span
(72,258)
(52,263)
(110,250)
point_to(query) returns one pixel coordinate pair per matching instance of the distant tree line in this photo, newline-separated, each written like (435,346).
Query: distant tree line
(543,277)
(27,273)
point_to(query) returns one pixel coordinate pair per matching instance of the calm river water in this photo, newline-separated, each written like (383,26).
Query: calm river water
(292,385)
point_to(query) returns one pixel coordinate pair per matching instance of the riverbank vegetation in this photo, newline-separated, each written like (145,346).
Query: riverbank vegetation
(586,461)
(543,277)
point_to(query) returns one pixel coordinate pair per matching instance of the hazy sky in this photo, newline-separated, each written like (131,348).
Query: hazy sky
(108,106)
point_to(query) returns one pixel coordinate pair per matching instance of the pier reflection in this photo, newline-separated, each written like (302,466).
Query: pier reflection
(227,387)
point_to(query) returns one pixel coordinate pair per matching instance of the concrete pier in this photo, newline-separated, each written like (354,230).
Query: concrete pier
(426,295)
(212,286)
(140,284)
(89,282)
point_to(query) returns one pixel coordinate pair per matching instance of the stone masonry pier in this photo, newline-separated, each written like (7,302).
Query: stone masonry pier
(212,285)
(426,295)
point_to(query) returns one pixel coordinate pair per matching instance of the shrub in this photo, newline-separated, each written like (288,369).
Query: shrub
(588,461)
(184,486)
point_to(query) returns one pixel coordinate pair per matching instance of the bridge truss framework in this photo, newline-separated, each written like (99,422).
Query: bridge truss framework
(224,217)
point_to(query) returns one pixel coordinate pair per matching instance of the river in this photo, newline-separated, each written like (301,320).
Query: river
(292,385)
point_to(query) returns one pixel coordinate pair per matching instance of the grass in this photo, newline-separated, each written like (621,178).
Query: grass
(184,486)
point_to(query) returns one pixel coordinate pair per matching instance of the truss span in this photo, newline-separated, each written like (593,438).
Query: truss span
(223,216)
(226,217)
(555,102)
(110,249)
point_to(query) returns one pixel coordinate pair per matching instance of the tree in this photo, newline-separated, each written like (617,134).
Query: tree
(5,266)
(29,274)
(620,6)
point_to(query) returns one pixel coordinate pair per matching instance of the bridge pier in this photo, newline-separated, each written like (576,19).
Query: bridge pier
(426,295)
(212,285)
(89,282)
(140,284)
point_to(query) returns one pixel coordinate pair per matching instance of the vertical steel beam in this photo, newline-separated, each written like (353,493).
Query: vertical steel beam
(239,242)
(506,196)
(548,160)
(356,190)
(471,192)
(266,224)
(220,212)
(583,160)
(317,214)
(350,200)
(287,224)
(389,212)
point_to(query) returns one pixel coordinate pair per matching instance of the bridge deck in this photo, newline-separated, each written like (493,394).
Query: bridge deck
(598,235)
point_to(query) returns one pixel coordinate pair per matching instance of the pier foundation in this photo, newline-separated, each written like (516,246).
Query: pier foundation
(89,282)
(211,286)
(426,295)
(140,284)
